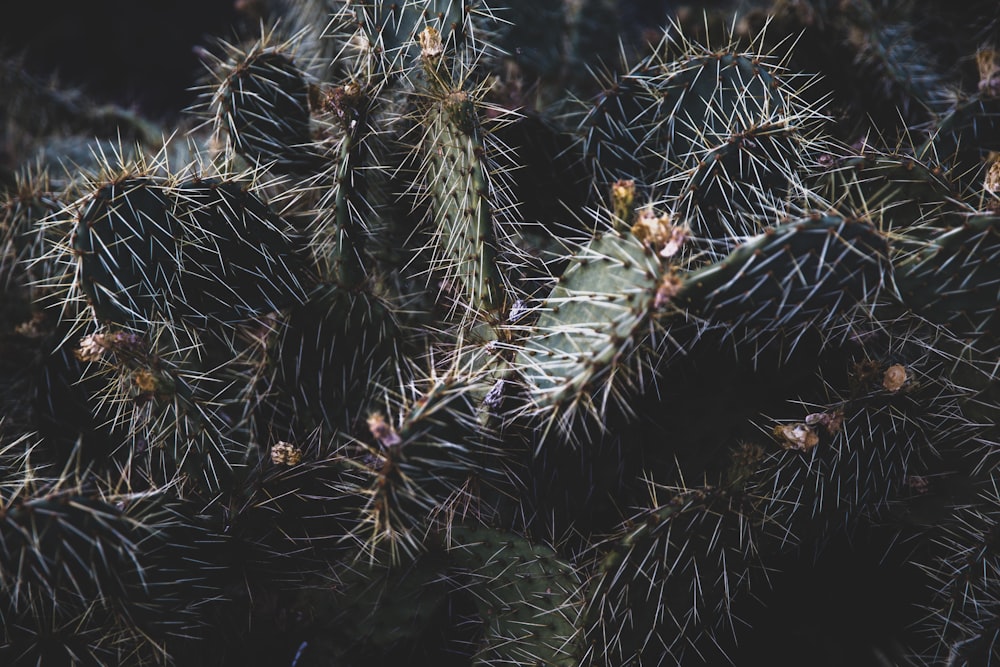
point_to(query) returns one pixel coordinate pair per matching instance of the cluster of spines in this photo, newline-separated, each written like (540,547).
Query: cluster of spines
(666,584)
(584,348)
(90,568)
(430,464)
(199,251)
(960,620)
(951,283)
(802,274)
(457,178)
(717,135)
(262,105)
(181,403)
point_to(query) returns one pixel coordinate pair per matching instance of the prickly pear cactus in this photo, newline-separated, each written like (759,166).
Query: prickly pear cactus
(292,380)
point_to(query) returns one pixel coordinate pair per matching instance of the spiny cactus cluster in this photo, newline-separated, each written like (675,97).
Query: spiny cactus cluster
(440,333)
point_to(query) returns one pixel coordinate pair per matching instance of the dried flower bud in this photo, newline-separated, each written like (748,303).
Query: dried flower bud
(623,198)
(657,231)
(344,101)
(431,46)
(992,181)
(94,346)
(988,60)
(649,226)
(830,421)
(285,453)
(894,379)
(145,381)
(678,235)
(91,348)
(669,287)
(494,396)
(800,437)
(383,431)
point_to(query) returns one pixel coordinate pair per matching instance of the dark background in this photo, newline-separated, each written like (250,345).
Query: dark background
(137,53)
(140,53)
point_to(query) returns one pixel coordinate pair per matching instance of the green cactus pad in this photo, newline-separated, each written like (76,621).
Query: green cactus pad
(960,560)
(665,585)
(84,567)
(177,399)
(884,411)
(331,354)
(598,318)
(127,243)
(718,96)
(967,133)
(800,274)
(528,598)
(615,129)
(720,132)
(903,194)
(392,28)
(460,190)
(27,234)
(240,258)
(263,104)
(291,515)
(955,280)
(430,464)
(372,610)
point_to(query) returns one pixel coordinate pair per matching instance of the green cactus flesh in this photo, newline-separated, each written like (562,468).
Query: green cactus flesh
(528,599)
(457,177)
(666,585)
(600,312)
(265,109)
(412,350)
(954,280)
(240,260)
(802,273)
(129,257)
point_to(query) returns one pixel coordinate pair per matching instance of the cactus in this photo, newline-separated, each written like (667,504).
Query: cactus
(675,568)
(428,467)
(599,316)
(125,283)
(458,180)
(310,361)
(719,132)
(89,568)
(778,281)
(147,250)
(957,265)
(528,598)
(262,103)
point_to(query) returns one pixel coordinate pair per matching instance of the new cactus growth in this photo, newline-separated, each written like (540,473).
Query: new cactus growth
(458,180)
